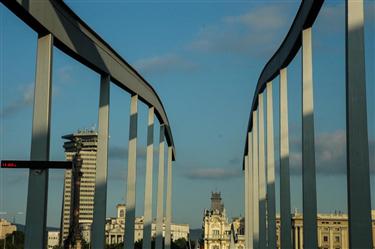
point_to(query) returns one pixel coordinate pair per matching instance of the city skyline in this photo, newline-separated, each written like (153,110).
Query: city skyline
(182,57)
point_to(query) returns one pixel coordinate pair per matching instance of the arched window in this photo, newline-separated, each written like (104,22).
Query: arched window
(121,213)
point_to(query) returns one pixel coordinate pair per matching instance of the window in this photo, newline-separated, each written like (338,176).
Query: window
(325,238)
(337,238)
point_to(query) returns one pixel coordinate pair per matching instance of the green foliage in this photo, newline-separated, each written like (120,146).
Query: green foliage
(179,244)
(18,237)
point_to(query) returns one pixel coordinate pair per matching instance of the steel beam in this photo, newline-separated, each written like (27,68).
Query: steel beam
(132,175)
(168,208)
(286,225)
(358,175)
(100,197)
(310,232)
(36,215)
(255,182)
(262,177)
(76,39)
(147,223)
(246,181)
(271,201)
(251,192)
(160,200)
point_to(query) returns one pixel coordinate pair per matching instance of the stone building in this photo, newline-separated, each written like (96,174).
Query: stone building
(114,228)
(6,228)
(332,231)
(217,228)
(53,239)
(89,140)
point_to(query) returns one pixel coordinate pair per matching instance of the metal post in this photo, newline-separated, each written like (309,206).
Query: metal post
(147,224)
(100,197)
(262,177)
(246,201)
(255,182)
(168,208)
(358,175)
(160,200)
(36,216)
(308,145)
(286,224)
(250,191)
(132,175)
(271,202)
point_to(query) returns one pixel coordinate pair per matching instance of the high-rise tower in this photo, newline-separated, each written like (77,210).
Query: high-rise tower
(89,143)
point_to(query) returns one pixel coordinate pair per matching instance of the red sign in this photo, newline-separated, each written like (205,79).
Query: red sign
(17,164)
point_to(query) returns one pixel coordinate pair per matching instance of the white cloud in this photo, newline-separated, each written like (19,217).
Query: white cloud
(330,153)
(26,100)
(264,19)
(164,64)
(213,173)
(257,32)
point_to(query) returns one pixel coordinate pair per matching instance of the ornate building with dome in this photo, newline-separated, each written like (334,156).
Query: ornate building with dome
(216,227)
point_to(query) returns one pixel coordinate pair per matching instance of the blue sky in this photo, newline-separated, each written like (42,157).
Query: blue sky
(203,59)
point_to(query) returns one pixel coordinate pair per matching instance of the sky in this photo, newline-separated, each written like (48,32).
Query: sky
(203,58)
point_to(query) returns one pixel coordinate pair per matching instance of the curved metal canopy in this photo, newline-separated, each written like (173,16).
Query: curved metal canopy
(75,38)
(305,17)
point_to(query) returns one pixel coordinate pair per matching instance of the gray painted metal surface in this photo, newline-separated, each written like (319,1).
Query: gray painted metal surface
(305,17)
(100,197)
(285,219)
(251,191)
(147,223)
(75,38)
(132,175)
(36,214)
(160,198)
(255,183)
(308,146)
(262,176)
(271,200)
(246,191)
(168,204)
(359,198)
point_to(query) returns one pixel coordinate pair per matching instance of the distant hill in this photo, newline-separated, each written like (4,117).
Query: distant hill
(195,234)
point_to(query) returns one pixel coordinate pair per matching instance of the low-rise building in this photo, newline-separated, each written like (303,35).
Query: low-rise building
(114,228)
(53,239)
(333,230)
(6,228)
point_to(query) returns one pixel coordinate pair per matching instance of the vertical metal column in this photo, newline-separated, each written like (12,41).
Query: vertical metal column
(100,196)
(271,202)
(132,175)
(246,159)
(310,232)
(160,200)
(250,191)
(255,182)
(262,177)
(147,224)
(168,208)
(36,215)
(286,224)
(359,200)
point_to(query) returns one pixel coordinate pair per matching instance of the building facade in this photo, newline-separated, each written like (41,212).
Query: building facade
(89,141)
(217,228)
(332,231)
(115,227)
(53,239)
(6,228)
